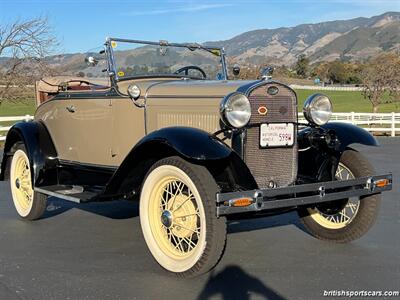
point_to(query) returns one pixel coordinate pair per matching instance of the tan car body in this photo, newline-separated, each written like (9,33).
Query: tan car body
(102,131)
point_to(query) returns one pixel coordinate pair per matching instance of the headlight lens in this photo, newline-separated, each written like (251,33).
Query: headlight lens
(235,110)
(317,109)
(134,91)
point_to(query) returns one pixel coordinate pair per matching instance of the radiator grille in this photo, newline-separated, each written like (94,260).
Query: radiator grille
(271,164)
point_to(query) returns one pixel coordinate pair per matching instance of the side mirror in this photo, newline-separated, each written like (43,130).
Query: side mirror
(236,69)
(91,61)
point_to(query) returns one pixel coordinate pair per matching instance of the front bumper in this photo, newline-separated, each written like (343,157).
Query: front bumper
(298,195)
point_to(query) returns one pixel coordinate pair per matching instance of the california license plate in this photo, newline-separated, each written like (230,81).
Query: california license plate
(276,135)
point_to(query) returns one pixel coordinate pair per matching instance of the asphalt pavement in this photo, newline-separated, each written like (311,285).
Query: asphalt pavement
(96,251)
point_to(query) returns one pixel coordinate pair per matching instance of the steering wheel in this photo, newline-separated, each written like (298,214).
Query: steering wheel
(187,68)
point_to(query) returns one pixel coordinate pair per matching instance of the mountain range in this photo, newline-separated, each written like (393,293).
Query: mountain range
(349,40)
(352,40)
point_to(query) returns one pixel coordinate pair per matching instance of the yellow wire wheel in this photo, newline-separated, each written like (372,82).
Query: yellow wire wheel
(339,218)
(173,218)
(21,183)
(29,204)
(178,219)
(348,219)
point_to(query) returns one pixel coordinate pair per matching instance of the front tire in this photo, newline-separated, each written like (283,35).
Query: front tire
(178,217)
(349,219)
(29,204)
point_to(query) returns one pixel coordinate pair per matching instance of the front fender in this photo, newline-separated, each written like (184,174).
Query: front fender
(191,143)
(194,145)
(350,134)
(320,160)
(39,146)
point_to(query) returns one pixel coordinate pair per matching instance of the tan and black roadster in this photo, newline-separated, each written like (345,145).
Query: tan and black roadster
(168,128)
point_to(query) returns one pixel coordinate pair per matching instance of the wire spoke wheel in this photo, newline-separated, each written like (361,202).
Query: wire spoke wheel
(29,204)
(339,214)
(176,218)
(21,184)
(344,220)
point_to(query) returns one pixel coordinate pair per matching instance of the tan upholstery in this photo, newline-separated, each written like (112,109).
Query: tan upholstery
(46,88)
(53,84)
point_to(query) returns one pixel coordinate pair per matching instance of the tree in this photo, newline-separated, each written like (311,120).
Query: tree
(337,72)
(381,80)
(321,71)
(302,66)
(23,47)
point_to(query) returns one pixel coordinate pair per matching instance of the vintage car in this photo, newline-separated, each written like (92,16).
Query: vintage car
(169,129)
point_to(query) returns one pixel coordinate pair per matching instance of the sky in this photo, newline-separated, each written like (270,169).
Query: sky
(81,25)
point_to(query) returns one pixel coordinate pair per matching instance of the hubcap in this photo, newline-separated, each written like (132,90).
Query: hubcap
(17,183)
(166,218)
(176,217)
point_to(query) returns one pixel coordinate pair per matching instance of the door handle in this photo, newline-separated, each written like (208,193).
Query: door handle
(71,108)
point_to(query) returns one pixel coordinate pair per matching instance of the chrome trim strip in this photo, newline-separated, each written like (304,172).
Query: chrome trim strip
(86,165)
(57,195)
(223,64)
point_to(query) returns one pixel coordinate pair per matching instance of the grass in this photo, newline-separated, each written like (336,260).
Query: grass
(20,108)
(11,109)
(343,101)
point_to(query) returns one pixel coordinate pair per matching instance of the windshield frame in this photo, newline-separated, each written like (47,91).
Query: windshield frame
(112,68)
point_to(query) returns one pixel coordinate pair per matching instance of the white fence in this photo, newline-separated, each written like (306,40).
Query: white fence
(387,123)
(327,88)
(9,120)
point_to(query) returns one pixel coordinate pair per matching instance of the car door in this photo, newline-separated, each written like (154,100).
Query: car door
(90,128)
(58,120)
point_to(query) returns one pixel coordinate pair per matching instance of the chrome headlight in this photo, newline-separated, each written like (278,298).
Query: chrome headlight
(134,91)
(317,109)
(235,110)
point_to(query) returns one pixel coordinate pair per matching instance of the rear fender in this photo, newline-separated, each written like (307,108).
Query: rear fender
(40,150)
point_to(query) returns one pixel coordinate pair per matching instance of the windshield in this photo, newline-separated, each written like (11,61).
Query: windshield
(138,59)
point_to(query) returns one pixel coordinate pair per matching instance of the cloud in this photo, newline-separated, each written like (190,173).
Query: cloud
(179,9)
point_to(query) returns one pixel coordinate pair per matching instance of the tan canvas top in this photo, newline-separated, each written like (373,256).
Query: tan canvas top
(52,84)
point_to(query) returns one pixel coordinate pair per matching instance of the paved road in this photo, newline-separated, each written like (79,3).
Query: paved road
(96,251)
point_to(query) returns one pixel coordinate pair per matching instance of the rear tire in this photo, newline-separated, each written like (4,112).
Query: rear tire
(29,204)
(347,220)
(178,217)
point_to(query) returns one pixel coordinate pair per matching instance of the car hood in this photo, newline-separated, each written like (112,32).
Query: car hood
(194,88)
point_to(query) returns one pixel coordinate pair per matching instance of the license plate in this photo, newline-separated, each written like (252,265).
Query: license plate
(276,135)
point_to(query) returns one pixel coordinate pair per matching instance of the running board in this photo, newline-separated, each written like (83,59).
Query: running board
(72,193)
